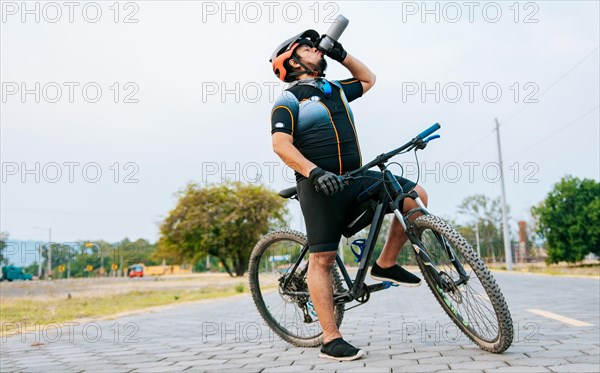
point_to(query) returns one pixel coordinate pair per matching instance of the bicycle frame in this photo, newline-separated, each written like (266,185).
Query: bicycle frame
(385,203)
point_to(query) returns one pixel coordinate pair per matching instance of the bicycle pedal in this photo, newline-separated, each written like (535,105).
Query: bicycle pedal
(387,284)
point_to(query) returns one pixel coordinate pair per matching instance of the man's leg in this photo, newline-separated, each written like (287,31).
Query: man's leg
(385,268)
(396,237)
(320,287)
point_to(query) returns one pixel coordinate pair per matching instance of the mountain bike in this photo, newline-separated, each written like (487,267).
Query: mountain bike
(457,276)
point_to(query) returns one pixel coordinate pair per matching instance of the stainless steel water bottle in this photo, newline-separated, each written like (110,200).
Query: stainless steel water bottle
(333,34)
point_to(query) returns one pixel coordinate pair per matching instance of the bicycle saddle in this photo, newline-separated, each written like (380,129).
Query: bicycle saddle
(288,193)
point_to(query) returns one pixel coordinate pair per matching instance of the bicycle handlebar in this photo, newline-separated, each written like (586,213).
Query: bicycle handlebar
(429,131)
(382,158)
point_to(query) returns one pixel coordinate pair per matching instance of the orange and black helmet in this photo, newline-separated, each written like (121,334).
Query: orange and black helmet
(285,52)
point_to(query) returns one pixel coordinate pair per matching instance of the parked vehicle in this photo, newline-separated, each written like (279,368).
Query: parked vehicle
(135,270)
(11,273)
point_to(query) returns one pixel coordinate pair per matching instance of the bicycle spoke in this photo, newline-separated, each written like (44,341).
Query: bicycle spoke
(469,301)
(278,261)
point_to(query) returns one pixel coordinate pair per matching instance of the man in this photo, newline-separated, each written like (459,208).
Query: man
(313,132)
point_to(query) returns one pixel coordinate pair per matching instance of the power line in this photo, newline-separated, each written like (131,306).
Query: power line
(473,147)
(447,194)
(555,132)
(504,121)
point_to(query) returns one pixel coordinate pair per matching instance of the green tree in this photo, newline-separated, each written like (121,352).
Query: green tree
(82,254)
(569,219)
(3,238)
(485,215)
(145,252)
(224,221)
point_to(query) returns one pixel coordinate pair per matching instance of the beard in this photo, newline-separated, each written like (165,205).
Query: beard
(320,66)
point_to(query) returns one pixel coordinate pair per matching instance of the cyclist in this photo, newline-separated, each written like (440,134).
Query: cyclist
(313,132)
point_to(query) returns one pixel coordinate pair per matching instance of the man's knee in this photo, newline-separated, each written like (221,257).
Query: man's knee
(410,204)
(324,260)
(422,194)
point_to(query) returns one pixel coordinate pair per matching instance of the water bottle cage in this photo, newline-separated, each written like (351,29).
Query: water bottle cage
(360,244)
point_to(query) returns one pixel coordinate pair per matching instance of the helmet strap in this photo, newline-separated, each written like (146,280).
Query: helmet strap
(307,70)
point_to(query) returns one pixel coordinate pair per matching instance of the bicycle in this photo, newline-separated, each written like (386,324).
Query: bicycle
(458,278)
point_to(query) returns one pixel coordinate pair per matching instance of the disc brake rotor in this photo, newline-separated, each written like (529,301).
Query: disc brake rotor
(453,291)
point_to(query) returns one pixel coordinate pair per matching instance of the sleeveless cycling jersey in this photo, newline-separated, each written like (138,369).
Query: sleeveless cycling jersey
(321,122)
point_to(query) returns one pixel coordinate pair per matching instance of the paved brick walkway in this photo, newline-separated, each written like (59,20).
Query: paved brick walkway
(402,330)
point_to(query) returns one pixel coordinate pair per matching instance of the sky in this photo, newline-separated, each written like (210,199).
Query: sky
(108,111)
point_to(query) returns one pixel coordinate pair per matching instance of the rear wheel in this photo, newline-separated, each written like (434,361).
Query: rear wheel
(293,318)
(477,306)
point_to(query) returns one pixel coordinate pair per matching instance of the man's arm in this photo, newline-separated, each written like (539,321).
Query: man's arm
(290,155)
(359,71)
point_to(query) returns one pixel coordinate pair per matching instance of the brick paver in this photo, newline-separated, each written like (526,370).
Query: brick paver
(401,329)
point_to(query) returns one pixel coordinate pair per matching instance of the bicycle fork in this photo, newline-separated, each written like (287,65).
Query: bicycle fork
(421,251)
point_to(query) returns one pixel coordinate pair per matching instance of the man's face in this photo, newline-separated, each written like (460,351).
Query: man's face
(311,57)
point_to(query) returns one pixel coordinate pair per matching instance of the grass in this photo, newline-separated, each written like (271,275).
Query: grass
(561,269)
(38,312)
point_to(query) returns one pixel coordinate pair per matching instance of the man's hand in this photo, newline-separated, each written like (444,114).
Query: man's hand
(325,182)
(337,52)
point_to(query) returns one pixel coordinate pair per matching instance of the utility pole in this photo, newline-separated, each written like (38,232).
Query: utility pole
(49,274)
(121,269)
(101,269)
(69,262)
(507,250)
(49,263)
(477,237)
(49,254)
(40,248)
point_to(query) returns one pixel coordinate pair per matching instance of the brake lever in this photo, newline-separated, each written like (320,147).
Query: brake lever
(422,144)
(346,178)
(432,137)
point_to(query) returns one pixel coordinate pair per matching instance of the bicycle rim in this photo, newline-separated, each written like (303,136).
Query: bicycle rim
(287,313)
(476,306)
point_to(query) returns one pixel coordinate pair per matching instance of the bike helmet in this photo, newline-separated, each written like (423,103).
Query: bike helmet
(285,52)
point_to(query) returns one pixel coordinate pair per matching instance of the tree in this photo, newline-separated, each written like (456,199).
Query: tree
(569,219)
(486,216)
(224,221)
(144,252)
(3,238)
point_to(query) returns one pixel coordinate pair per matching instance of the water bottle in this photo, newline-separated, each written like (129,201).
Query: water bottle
(311,309)
(333,34)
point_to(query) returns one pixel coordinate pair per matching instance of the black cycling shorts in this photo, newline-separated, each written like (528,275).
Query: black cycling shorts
(326,216)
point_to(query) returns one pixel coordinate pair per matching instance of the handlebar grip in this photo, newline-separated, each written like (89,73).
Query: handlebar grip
(432,137)
(429,131)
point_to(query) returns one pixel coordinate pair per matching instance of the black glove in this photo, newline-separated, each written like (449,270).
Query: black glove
(337,52)
(326,182)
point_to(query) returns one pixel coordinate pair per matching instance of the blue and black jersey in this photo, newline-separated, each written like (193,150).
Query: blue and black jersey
(322,125)
(323,130)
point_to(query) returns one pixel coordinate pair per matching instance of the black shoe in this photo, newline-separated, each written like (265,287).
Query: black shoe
(340,350)
(395,274)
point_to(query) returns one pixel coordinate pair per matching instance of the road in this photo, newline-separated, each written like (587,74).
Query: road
(94,287)
(402,329)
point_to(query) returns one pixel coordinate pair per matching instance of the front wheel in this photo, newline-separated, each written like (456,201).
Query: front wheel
(292,317)
(475,304)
